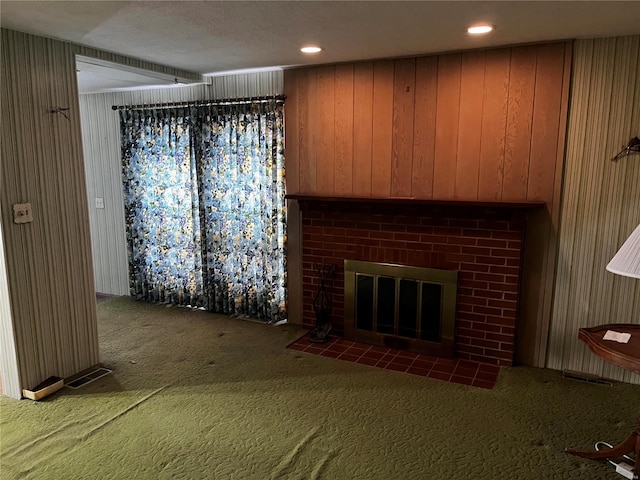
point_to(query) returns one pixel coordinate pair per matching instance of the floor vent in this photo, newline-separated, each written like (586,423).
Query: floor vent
(88,378)
(585,377)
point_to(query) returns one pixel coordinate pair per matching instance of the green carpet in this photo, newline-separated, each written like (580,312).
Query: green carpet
(201,396)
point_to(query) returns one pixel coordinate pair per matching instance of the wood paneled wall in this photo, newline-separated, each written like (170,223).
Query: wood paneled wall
(479,125)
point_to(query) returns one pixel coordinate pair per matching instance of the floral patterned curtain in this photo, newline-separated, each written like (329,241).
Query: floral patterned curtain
(237,219)
(161,207)
(241,179)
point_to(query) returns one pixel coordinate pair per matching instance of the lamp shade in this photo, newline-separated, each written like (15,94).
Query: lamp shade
(627,261)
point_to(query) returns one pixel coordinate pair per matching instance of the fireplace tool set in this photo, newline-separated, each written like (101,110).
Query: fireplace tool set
(322,305)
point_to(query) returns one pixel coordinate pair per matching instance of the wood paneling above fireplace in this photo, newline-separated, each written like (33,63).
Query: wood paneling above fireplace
(479,125)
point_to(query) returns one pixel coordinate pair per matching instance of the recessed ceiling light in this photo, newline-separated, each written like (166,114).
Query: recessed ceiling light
(479,29)
(311,49)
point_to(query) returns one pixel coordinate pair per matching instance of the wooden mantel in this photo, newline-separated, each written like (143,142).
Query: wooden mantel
(404,201)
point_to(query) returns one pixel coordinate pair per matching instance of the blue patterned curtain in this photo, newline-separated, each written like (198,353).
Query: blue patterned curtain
(236,223)
(241,179)
(161,207)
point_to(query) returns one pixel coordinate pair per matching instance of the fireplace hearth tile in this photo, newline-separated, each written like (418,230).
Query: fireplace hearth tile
(440,368)
(426,363)
(485,376)
(314,349)
(349,357)
(397,367)
(330,353)
(367,361)
(440,376)
(465,372)
(447,362)
(462,380)
(461,371)
(422,372)
(359,351)
(403,360)
(371,354)
(410,355)
(467,364)
(334,347)
(387,357)
(377,349)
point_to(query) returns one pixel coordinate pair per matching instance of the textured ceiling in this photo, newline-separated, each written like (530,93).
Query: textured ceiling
(209,37)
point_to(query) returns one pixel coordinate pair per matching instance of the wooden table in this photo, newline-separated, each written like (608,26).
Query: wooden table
(626,355)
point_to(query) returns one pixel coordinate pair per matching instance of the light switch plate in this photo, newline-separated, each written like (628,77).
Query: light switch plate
(99,202)
(22,213)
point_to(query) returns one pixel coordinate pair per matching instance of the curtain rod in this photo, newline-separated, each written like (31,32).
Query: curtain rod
(201,103)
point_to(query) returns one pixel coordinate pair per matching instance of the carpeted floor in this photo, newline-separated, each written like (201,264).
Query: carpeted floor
(196,395)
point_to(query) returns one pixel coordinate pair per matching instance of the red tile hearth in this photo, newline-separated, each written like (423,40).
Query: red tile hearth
(450,370)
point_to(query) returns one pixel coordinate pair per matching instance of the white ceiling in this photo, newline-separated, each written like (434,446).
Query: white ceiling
(215,36)
(96,76)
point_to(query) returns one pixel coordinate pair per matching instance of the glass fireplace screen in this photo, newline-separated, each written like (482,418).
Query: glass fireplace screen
(415,306)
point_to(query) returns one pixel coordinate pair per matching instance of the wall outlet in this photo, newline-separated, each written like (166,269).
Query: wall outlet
(22,213)
(99,202)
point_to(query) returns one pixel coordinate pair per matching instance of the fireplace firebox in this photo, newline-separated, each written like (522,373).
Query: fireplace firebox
(400,306)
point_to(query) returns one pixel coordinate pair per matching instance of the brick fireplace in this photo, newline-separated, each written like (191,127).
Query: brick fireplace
(482,241)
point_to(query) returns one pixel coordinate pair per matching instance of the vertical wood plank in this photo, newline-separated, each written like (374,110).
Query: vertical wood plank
(344,130)
(546,119)
(470,125)
(307,120)
(519,121)
(294,263)
(404,83)
(448,107)
(362,128)
(424,127)
(292,128)
(562,140)
(325,156)
(539,262)
(382,128)
(494,122)
(540,245)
